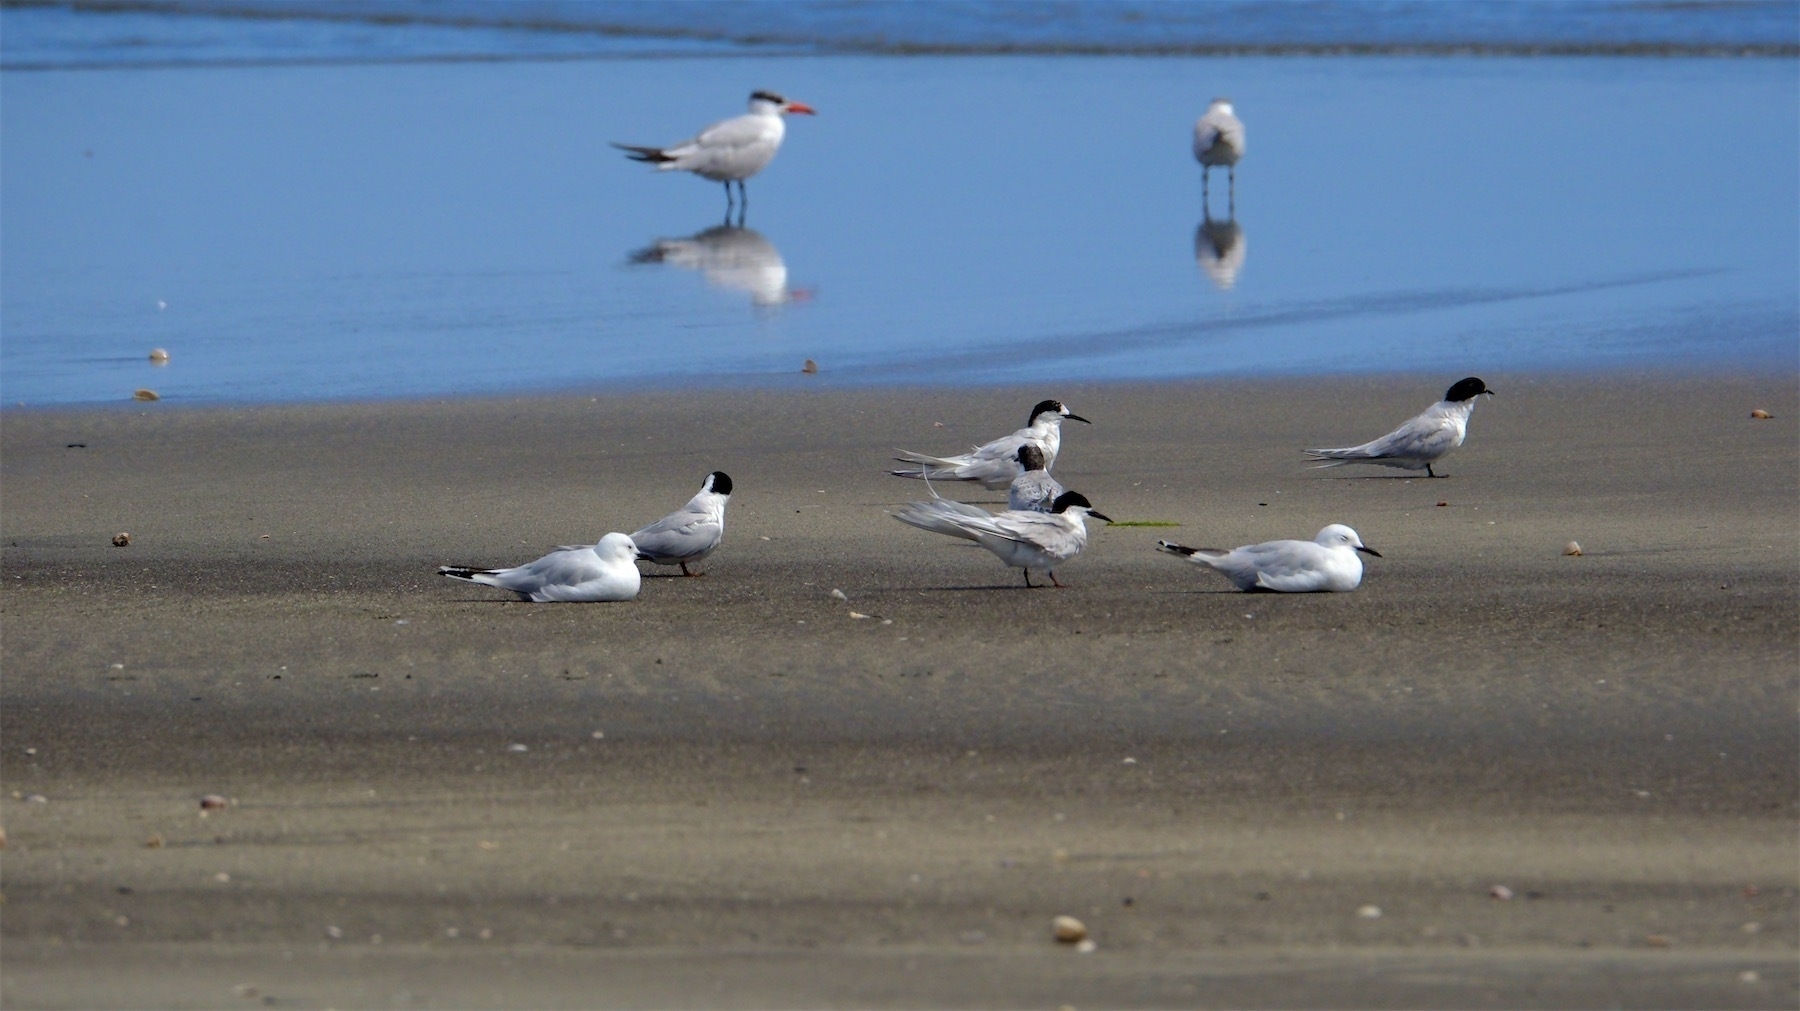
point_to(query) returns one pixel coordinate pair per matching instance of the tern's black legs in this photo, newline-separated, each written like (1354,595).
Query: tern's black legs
(741,203)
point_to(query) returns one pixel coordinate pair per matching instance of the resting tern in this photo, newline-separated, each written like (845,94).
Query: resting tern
(1035,490)
(1327,563)
(1219,140)
(729,151)
(603,571)
(996,464)
(1420,442)
(1022,539)
(690,533)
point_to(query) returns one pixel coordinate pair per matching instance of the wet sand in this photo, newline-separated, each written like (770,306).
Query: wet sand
(733,792)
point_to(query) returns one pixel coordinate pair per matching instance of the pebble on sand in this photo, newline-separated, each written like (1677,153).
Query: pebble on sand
(1572,549)
(1369,912)
(811,367)
(160,356)
(213,802)
(1761,415)
(145,395)
(153,842)
(1068,930)
(121,539)
(1500,892)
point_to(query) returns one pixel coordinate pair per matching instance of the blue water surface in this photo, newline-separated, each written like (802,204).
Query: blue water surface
(396,227)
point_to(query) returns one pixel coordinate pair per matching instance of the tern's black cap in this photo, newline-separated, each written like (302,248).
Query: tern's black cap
(719,482)
(1466,389)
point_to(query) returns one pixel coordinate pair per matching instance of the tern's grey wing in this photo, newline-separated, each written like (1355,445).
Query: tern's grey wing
(1033,491)
(681,534)
(1050,533)
(1426,437)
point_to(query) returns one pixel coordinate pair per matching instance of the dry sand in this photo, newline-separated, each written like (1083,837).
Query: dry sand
(733,792)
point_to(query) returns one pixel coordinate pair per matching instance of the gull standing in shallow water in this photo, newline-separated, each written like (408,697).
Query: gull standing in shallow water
(729,151)
(1022,539)
(1327,563)
(590,572)
(1219,140)
(997,463)
(1420,442)
(690,533)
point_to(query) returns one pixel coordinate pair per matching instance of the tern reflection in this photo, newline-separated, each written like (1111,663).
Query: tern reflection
(731,257)
(1219,248)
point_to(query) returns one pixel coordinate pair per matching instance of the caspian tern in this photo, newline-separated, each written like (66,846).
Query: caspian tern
(1326,564)
(729,151)
(582,572)
(690,533)
(1420,442)
(1022,539)
(997,463)
(1219,140)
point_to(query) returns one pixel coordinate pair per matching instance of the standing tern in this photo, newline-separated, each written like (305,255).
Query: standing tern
(1022,539)
(1219,140)
(729,151)
(1035,490)
(997,463)
(1327,563)
(690,533)
(1420,442)
(603,571)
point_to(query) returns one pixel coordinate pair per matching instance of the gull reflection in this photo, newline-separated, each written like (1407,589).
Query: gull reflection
(1219,248)
(731,257)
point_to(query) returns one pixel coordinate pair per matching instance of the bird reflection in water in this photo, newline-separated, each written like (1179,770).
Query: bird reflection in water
(1219,248)
(731,257)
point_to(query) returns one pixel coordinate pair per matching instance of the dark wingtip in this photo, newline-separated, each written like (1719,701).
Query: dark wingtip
(1176,549)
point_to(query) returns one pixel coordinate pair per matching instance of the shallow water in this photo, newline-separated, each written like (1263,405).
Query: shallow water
(403,228)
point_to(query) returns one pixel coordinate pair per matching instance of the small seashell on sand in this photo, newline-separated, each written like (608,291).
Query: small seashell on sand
(1749,976)
(858,614)
(153,842)
(811,367)
(1752,927)
(213,802)
(1369,912)
(1761,415)
(838,595)
(36,798)
(1572,549)
(121,539)
(335,933)
(144,395)
(159,356)
(517,748)
(1068,929)
(1500,892)
(1086,945)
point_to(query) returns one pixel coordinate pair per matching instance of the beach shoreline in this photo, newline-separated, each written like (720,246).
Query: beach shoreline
(734,791)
